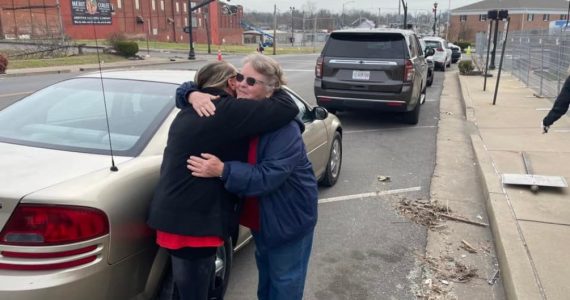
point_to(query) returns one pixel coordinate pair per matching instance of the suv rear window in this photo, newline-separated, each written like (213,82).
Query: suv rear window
(366,45)
(433,44)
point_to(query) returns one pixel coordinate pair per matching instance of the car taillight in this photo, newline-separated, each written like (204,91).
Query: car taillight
(319,67)
(439,49)
(44,225)
(409,71)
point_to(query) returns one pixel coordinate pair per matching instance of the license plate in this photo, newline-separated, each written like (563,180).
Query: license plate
(361,75)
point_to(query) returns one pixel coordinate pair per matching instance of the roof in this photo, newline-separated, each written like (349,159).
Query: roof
(375,30)
(166,76)
(515,5)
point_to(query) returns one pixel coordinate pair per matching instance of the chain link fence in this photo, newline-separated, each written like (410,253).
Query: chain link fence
(540,59)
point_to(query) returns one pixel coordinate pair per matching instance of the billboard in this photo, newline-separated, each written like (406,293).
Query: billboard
(96,12)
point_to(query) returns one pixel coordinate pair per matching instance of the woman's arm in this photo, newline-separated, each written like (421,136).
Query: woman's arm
(284,151)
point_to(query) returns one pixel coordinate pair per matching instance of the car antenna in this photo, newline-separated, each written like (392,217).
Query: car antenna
(113,166)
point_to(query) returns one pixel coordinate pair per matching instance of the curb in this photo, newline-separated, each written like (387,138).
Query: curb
(517,272)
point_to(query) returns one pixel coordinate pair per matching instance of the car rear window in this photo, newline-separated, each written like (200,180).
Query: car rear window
(366,45)
(71,115)
(433,44)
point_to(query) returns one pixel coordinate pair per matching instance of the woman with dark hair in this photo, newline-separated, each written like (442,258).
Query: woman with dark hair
(192,215)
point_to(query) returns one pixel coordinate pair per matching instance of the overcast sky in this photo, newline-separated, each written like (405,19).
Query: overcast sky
(335,6)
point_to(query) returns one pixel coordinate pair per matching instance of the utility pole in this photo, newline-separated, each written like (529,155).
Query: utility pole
(292,8)
(314,33)
(303,36)
(434,17)
(405,5)
(274,27)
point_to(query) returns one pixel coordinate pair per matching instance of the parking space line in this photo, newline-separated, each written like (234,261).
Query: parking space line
(368,195)
(15,94)
(385,129)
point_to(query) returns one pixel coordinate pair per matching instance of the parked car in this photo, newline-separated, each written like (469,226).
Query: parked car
(373,69)
(442,56)
(72,227)
(455,53)
(428,53)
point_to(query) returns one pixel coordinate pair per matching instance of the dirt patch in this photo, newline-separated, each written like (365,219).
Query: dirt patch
(424,212)
(439,274)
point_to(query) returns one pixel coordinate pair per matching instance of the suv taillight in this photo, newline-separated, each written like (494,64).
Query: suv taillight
(319,67)
(43,225)
(439,49)
(409,71)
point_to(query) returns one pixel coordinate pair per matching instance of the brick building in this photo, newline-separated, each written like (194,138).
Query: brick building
(161,20)
(525,15)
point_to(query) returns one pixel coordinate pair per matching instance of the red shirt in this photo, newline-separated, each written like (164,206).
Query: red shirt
(176,241)
(250,213)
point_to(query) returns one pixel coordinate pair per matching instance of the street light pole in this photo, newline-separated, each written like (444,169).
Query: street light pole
(191,54)
(434,16)
(342,14)
(292,8)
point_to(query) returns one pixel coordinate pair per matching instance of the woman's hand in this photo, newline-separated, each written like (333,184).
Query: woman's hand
(202,103)
(206,166)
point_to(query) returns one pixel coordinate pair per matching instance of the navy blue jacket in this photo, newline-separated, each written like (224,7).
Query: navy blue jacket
(284,181)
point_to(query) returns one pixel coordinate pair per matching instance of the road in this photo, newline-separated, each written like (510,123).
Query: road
(362,249)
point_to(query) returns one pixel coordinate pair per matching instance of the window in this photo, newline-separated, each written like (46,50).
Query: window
(153,3)
(369,45)
(185,6)
(177,7)
(530,17)
(137,5)
(483,17)
(119,4)
(162,5)
(546,17)
(463,18)
(563,17)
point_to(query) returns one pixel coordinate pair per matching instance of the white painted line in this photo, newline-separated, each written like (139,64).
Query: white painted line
(386,129)
(368,195)
(432,100)
(561,130)
(542,109)
(15,94)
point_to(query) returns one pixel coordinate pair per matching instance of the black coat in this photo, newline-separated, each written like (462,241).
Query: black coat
(560,106)
(188,205)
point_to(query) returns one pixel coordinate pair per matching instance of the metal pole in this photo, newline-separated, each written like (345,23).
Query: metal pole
(292,31)
(434,19)
(191,54)
(274,27)
(559,64)
(487,61)
(541,63)
(529,63)
(492,66)
(501,61)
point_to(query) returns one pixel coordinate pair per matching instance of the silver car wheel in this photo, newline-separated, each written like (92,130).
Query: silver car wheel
(335,158)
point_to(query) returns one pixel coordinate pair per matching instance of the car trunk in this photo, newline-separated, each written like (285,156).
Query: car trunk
(365,62)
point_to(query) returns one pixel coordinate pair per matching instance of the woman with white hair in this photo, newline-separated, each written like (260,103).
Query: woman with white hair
(278,183)
(560,106)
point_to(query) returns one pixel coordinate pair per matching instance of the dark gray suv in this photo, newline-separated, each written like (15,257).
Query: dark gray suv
(379,69)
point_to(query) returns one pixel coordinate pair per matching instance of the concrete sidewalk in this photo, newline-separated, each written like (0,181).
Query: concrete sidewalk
(531,230)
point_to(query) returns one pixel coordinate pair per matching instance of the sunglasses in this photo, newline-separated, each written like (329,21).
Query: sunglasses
(249,80)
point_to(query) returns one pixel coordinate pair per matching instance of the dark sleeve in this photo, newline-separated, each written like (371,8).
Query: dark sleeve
(560,106)
(182,93)
(245,118)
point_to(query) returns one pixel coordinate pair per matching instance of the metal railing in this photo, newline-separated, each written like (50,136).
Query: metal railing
(539,59)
